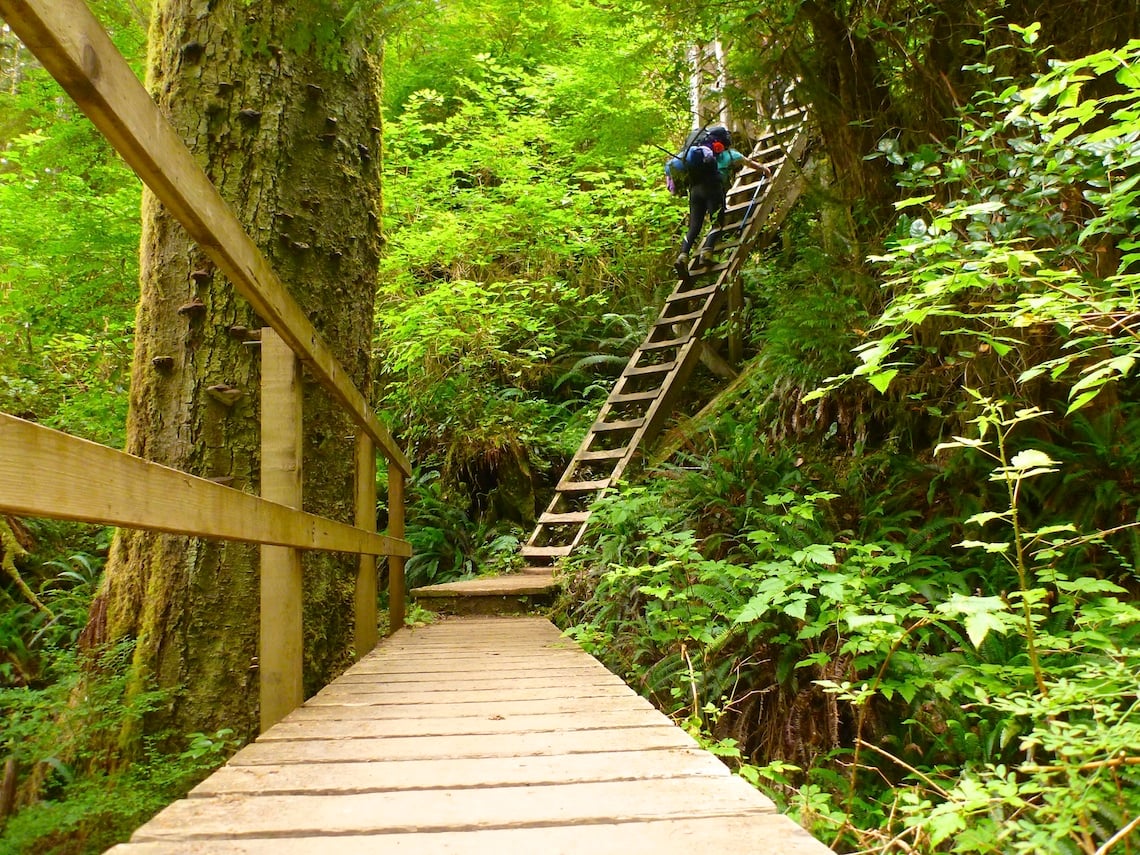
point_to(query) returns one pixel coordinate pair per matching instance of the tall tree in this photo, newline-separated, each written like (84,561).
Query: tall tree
(279,102)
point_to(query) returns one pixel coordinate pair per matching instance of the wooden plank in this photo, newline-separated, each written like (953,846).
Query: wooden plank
(330,778)
(626,424)
(510,585)
(755,834)
(591,486)
(539,655)
(544,551)
(493,745)
(136,493)
(566,673)
(399,680)
(397,584)
(280,639)
(640,370)
(365,631)
(485,683)
(599,454)
(468,691)
(568,518)
(73,47)
(490,773)
(526,702)
(583,719)
(363,813)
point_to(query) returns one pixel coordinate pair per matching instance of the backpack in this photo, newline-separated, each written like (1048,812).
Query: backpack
(717,133)
(696,162)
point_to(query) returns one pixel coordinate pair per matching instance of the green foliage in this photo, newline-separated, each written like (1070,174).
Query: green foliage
(897,694)
(68,259)
(523,209)
(447,544)
(62,738)
(1010,711)
(1016,252)
(31,636)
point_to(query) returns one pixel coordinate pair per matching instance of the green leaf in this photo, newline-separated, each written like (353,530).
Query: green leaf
(816,553)
(980,615)
(797,608)
(881,380)
(913,201)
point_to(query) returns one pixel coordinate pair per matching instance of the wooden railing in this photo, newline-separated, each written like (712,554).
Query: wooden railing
(38,466)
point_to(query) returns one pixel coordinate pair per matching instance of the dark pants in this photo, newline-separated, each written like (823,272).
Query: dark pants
(705,199)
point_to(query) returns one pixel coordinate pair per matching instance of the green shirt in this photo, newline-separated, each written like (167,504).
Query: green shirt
(726,164)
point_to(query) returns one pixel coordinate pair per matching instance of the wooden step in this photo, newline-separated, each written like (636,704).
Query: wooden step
(693,294)
(544,551)
(748,190)
(582,486)
(650,346)
(517,593)
(570,518)
(768,151)
(601,454)
(667,320)
(628,424)
(641,370)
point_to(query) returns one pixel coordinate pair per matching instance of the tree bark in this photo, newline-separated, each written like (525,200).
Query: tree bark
(851,104)
(281,107)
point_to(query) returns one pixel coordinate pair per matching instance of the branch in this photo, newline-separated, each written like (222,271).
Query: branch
(1120,835)
(10,550)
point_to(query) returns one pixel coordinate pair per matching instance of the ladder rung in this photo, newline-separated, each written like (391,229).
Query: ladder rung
(640,370)
(628,424)
(651,346)
(748,190)
(582,486)
(743,206)
(602,454)
(797,112)
(690,295)
(761,153)
(680,319)
(564,519)
(631,397)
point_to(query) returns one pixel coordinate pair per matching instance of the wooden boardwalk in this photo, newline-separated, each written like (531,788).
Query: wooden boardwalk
(474,735)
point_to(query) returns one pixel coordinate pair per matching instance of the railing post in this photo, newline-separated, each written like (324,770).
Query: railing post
(280,651)
(365,625)
(396,606)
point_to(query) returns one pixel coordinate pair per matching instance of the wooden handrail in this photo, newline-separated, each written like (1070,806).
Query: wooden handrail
(74,48)
(40,470)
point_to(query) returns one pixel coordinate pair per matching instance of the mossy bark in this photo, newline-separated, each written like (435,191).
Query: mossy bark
(285,121)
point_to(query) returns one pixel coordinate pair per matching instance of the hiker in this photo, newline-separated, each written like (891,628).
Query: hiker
(707,187)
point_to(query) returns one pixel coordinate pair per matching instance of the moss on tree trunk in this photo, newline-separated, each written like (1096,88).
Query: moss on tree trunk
(285,120)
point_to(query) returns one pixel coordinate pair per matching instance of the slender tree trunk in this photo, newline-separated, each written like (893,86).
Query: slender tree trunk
(282,110)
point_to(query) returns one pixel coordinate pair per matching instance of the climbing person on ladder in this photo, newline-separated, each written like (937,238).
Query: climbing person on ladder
(710,164)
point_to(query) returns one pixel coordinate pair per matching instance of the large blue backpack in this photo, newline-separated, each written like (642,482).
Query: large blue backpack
(696,162)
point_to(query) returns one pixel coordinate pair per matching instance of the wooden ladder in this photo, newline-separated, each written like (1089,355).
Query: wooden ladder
(643,395)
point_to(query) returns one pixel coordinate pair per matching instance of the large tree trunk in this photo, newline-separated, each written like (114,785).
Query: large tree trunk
(283,113)
(851,105)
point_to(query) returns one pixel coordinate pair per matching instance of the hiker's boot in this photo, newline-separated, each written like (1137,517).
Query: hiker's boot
(681,265)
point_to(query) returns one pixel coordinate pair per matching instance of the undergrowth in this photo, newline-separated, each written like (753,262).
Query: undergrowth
(904,604)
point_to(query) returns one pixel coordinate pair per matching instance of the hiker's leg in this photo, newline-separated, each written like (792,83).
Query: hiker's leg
(716,207)
(697,211)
